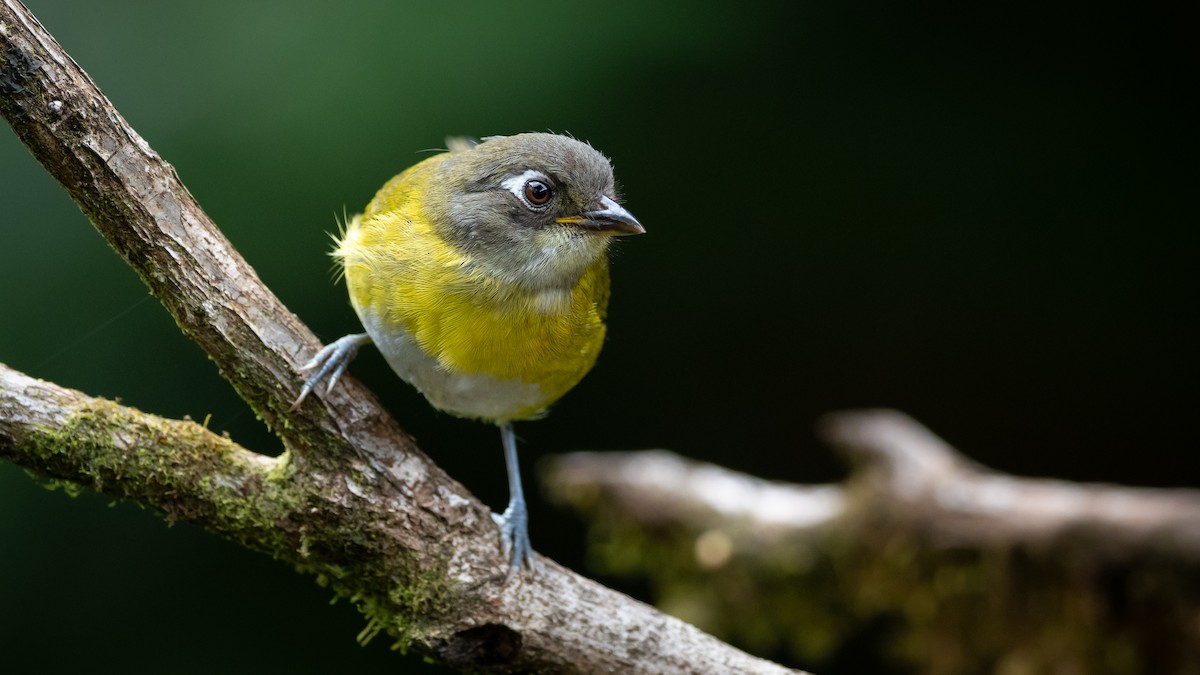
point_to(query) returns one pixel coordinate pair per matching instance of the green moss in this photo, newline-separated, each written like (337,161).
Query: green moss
(69,488)
(177,467)
(191,474)
(402,605)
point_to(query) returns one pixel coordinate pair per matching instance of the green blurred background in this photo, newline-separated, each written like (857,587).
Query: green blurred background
(984,216)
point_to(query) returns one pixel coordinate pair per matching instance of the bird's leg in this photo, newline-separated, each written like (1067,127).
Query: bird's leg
(332,361)
(514,522)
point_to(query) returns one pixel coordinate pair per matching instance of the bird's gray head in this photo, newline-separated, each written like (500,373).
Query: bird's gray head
(536,209)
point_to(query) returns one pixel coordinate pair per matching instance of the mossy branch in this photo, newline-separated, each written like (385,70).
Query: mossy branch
(180,467)
(352,500)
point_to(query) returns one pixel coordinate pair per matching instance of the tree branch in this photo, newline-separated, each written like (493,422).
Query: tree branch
(914,475)
(902,472)
(980,567)
(352,500)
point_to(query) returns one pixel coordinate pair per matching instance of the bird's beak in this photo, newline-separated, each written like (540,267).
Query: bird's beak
(606,216)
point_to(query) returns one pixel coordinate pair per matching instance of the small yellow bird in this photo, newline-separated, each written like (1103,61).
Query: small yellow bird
(481,274)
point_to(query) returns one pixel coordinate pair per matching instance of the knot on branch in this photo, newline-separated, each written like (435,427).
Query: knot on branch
(491,644)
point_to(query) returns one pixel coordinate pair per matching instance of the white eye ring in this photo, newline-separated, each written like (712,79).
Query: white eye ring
(516,185)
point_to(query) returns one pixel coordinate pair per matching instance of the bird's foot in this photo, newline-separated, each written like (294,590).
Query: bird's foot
(331,361)
(514,537)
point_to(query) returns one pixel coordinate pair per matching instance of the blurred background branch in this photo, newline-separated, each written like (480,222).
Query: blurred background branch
(962,566)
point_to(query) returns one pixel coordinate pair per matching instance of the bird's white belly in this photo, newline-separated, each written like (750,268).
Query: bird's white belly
(466,395)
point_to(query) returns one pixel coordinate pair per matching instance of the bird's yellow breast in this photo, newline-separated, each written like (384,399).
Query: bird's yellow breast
(410,285)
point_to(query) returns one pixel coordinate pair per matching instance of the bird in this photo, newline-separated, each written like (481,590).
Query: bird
(481,274)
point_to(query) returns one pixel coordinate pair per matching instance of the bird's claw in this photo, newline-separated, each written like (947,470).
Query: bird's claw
(514,538)
(331,361)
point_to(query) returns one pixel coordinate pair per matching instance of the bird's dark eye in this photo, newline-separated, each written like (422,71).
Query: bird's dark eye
(538,193)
